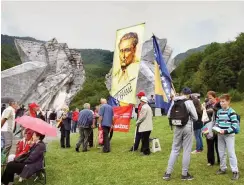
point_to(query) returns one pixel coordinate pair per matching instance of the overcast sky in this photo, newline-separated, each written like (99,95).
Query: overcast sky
(93,24)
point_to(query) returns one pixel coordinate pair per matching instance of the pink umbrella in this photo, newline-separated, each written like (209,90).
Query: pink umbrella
(37,125)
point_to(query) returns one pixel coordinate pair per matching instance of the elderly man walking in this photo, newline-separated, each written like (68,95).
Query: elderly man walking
(145,125)
(105,121)
(84,124)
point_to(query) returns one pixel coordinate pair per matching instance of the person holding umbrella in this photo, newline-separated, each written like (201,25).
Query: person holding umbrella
(32,111)
(26,165)
(29,163)
(23,146)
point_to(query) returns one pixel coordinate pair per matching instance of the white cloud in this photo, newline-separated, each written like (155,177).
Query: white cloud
(93,24)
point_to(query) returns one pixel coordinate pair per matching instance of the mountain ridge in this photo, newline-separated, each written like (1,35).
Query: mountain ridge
(9,40)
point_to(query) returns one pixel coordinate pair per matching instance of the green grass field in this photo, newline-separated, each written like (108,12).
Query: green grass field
(66,167)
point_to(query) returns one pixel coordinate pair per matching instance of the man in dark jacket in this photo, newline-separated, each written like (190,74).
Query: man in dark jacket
(65,130)
(84,124)
(52,118)
(20,112)
(152,104)
(3,108)
(197,125)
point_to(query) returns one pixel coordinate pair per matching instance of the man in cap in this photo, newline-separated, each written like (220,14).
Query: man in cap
(183,134)
(33,109)
(138,135)
(8,125)
(145,125)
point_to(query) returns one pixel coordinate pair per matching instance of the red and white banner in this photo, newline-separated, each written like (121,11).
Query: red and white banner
(122,117)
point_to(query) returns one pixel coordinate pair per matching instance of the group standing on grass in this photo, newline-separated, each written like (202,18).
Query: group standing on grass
(185,108)
(221,116)
(86,120)
(103,118)
(186,115)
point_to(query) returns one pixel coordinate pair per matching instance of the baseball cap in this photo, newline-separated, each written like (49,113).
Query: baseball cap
(141,93)
(33,105)
(186,91)
(144,99)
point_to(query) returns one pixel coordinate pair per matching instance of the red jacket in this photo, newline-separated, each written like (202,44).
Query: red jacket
(75,116)
(139,110)
(22,147)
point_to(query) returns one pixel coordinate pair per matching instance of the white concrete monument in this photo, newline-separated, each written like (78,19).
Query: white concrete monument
(50,74)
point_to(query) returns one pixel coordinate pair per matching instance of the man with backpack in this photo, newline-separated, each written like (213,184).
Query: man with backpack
(181,114)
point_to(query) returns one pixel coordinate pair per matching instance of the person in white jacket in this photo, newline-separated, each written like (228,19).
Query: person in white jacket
(145,125)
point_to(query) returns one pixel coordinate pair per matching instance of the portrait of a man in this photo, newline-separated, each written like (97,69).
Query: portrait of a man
(127,50)
(126,63)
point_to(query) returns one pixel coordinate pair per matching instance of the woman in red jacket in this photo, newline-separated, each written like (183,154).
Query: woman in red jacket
(75,117)
(23,146)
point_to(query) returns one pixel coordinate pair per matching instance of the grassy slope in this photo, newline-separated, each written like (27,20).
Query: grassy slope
(65,166)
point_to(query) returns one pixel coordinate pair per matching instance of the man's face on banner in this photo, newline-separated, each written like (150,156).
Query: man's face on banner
(126,52)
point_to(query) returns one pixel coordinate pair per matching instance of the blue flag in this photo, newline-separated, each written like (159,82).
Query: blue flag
(163,81)
(113,102)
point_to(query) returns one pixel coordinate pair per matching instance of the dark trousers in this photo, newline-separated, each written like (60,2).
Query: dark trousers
(212,143)
(111,134)
(84,136)
(106,142)
(90,139)
(74,126)
(153,111)
(163,112)
(65,136)
(137,141)
(11,169)
(145,142)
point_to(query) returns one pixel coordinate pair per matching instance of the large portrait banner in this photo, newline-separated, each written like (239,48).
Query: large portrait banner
(126,63)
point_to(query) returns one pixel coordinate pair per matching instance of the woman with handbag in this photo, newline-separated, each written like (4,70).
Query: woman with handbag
(27,164)
(23,146)
(212,106)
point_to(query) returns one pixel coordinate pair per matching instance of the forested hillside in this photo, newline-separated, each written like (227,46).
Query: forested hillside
(220,67)
(97,64)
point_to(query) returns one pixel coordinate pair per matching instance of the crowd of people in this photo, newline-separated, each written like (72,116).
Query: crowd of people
(219,128)
(186,115)
(29,155)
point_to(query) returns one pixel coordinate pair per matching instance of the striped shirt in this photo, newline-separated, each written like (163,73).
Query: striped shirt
(227,120)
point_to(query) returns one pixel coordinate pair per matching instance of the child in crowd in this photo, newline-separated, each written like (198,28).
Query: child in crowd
(227,121)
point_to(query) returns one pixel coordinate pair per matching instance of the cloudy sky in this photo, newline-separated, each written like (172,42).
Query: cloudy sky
(93,24)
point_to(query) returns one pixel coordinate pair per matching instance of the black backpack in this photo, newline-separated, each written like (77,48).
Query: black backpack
(179,115)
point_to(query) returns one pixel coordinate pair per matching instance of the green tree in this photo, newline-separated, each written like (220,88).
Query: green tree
(241,81)
(219,68)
